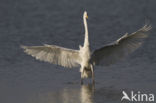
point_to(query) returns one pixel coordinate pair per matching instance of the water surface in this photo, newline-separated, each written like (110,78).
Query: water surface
(36,22)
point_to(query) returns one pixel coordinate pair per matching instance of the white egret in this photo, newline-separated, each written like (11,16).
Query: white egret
(106,55)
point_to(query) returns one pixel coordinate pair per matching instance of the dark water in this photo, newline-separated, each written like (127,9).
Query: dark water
(36,22)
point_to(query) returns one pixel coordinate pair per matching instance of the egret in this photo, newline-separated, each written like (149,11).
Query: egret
(87,60)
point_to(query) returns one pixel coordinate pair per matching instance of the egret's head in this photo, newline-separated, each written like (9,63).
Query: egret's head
(85,15)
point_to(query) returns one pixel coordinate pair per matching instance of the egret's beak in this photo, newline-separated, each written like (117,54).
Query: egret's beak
(87,17)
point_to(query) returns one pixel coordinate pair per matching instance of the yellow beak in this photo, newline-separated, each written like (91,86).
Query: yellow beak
(87,17)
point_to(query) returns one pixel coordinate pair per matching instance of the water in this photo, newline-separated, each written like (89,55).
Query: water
(35,22)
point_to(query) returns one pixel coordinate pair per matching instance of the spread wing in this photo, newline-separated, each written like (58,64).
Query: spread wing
(54,54)
(116,51)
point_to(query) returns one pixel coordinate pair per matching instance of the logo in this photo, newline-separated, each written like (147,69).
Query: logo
(137,97)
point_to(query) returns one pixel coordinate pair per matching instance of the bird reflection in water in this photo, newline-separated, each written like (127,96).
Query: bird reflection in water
(87,93)
(82,94)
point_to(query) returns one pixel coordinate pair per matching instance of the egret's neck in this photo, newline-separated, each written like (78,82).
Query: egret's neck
(86,41)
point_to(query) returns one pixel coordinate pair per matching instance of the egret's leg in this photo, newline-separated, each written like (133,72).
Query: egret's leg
(81,80)
(92,69)
(82,77)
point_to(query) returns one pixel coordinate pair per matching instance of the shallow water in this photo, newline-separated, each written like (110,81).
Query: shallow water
(36,22)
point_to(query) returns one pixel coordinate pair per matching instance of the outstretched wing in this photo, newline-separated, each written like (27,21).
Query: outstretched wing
(116,51)
(54,54)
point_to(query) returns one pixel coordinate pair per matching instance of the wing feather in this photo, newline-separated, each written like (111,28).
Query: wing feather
(117,50)
(54,54)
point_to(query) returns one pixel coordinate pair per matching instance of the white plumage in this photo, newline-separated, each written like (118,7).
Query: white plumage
(54,54)
(106,55)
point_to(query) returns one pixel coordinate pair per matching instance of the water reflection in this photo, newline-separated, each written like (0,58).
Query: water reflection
(84,94)
(87,92)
